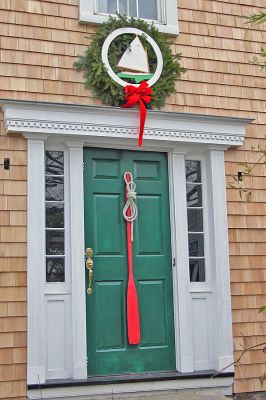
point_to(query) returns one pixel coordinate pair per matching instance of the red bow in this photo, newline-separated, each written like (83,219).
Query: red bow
(142,95)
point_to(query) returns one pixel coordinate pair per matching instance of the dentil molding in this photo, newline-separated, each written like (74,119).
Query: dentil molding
(80,121)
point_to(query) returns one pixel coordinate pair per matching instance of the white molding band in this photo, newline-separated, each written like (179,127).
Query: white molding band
(184,352)
(113,122)
(36,261)
(79,353)
(220,262)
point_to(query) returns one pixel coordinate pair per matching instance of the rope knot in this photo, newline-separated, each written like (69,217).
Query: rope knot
(132,195)
(130,211)
(131,188)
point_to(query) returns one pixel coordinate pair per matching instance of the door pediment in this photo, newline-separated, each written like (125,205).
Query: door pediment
(116,123)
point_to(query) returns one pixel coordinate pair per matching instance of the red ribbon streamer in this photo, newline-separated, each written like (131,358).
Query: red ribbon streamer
(133,325)
(142,95)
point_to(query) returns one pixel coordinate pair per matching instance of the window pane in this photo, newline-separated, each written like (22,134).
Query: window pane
(194,195)
(148,9)
(132,12)
(54,215)
(55,270)
(193,172)
(195,220)
(197,270)
(123,7)
(107,6)
(54,162)
(55,242)
(196,244)
(54,189)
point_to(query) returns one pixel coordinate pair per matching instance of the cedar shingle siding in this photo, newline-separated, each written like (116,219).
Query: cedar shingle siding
(39,42)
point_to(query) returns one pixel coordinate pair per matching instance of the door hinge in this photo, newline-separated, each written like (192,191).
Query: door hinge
(83,166)
(174,262)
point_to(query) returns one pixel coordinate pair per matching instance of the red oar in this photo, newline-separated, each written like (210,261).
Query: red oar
(133,325)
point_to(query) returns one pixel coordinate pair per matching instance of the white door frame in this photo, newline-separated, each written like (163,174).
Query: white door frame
(178,134)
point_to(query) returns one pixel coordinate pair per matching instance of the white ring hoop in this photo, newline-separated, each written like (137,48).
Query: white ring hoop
(135,31)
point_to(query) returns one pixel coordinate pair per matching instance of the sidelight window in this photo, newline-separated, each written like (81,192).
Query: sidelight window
(195,221)
(54,216)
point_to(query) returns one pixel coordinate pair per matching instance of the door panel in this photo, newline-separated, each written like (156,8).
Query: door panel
(107,214)
(147,170)
(104,169)
(109,311)
(105,231)
(152,318)
(149,219)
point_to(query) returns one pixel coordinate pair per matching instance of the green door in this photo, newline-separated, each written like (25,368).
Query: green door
(105,232)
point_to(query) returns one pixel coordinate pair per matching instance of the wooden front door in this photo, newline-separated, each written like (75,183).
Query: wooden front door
(104,187)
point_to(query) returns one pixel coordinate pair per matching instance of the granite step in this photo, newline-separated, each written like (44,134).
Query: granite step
(201,394)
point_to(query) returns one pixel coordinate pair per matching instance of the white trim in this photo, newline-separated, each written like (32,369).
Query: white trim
(183,332)
(88,14)
(206,385)
(220,260)
(201,293)
(174,256)
(202,330)
(77,260)
(36,260)
(206,285)
(58,294)
(84,122)
(62,287)
(58,363)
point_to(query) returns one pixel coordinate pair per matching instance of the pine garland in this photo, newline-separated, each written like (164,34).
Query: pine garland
(99,82)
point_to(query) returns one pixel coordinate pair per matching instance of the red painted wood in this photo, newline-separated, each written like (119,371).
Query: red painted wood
(133,324)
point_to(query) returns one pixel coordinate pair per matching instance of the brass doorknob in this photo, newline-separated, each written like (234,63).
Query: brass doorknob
(89,263)
(89,266)
(89,252)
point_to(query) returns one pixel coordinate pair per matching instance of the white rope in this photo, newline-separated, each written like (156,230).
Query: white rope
(130,204)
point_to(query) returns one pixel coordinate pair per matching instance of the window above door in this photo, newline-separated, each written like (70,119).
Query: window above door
(163,13)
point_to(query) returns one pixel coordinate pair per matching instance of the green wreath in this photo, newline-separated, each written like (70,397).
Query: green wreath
(99,82)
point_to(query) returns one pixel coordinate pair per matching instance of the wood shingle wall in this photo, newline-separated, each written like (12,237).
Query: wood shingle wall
(13,237)
(39,42)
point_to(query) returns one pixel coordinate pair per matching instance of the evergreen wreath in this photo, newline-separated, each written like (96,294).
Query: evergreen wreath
(96,77)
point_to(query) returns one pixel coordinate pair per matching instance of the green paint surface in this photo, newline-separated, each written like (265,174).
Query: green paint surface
(136,78)
(108,349)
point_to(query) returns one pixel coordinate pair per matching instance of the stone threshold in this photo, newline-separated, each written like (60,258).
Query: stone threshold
(128,378)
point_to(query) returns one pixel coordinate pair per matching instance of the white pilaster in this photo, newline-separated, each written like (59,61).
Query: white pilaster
(183,329)
(220,258)
(36,260)
(77,260)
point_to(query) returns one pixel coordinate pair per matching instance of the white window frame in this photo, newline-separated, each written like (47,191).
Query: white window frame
(205,285)
(55,287)
(168,10)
